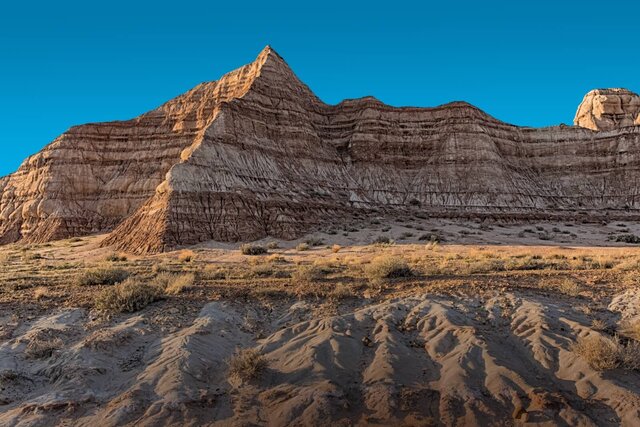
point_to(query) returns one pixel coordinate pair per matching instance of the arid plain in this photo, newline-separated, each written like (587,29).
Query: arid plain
(409,322)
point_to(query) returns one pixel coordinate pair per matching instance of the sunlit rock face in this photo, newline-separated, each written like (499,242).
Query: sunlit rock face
(608,109)
(257,154)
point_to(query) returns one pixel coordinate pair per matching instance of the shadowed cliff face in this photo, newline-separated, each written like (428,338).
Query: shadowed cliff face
(257,154)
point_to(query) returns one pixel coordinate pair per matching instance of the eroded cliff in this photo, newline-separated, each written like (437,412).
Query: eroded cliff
(257,154)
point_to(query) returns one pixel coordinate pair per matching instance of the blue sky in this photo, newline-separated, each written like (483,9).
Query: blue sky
(524,62)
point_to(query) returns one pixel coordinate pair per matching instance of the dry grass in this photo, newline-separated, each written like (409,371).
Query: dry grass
(102,276)
(41,292)
(186,256)
(309,273)
(42,348)
(247,364)
(336,248)
(342,291)
(174,284)
(631,329)
(387,267)
(598,324)
(605,353)
(569,287)
(302,247)
(127,297)
(114,257)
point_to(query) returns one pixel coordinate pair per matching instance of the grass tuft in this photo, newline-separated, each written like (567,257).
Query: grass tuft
(247,364)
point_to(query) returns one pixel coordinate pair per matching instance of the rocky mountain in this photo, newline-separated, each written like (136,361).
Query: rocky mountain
(608,109)
(256,153)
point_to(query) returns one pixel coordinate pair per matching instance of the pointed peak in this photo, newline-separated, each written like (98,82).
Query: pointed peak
(269,53)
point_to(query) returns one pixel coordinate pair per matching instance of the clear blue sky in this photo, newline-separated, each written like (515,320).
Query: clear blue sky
(524,62)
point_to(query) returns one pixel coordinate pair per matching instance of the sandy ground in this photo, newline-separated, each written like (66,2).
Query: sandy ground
(418,360)
(477,349)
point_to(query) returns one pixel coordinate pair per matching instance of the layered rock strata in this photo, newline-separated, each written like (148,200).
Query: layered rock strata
(257,154)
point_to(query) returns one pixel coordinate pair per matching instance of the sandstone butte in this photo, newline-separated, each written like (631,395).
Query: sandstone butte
(257,154)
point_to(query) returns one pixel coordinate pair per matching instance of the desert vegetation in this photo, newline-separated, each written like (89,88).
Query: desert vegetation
(340,296)
(127,297)
(247,364)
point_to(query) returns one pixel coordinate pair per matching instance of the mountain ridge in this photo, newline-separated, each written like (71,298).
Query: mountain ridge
(257,154)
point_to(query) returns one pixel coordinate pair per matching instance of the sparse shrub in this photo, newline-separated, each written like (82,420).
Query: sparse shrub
(382,240)
(309,273)
(32,257)
(273,245)
(114,257)
(214,272)
(262,270)
(605,353)
(387,267)
(341,291)
(41,293)
(431,246)
(173,284)
(598,324)
(127,297)
(159,268)
(432,237)
(186,256)
(628,238)
(302,247)
(277,259)
(336,248)
(632,329)
(480,266)
(39,348)
(569,287)
(313,241)
(247,364)
(406,235)
(252,249)
(102,276)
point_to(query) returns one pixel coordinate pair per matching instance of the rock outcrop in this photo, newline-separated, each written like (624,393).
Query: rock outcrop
(257,153)
(608,109)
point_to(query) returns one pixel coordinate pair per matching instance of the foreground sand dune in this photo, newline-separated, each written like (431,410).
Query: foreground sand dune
(420,360)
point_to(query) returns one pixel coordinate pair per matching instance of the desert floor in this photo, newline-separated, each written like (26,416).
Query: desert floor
(414,322)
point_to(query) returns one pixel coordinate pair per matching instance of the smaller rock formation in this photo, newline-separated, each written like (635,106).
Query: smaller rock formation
(608,109)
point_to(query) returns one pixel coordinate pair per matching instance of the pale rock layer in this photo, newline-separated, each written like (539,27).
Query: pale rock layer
(607,109)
